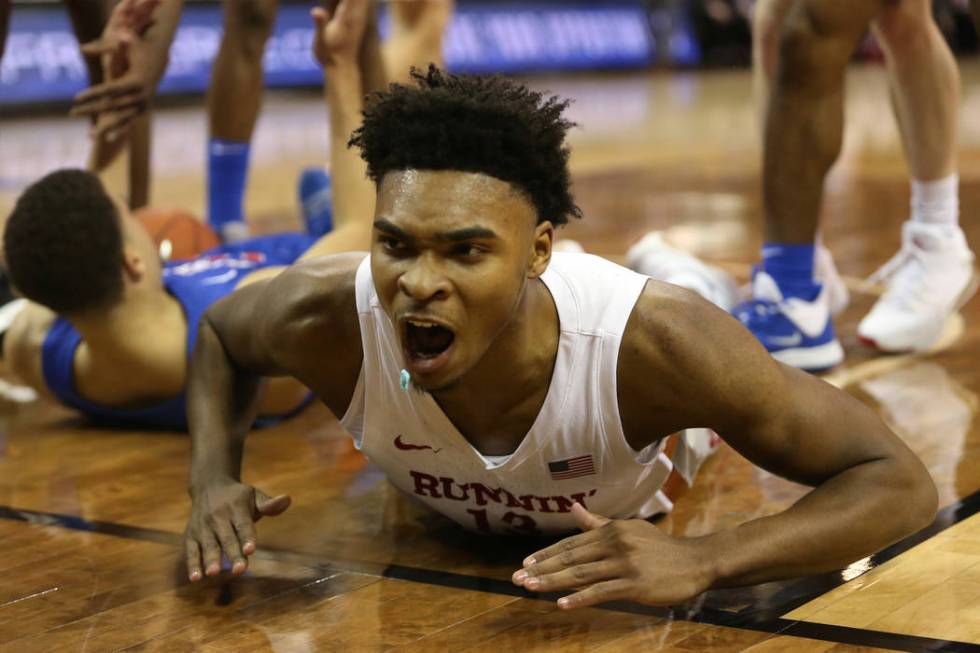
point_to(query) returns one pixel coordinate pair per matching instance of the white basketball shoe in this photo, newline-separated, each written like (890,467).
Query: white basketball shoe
(825,272)
(652,256)
(927,281)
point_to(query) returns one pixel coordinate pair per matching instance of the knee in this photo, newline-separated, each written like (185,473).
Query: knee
(248,24)
(810,58)
(766,19)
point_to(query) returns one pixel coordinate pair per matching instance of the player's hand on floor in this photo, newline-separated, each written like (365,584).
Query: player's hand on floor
(223,518)
(127,68)
(339,27)
(617,559)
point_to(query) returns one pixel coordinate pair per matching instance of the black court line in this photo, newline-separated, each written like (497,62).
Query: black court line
(746,608)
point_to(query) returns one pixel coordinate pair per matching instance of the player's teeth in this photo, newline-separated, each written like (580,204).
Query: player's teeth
(424,325)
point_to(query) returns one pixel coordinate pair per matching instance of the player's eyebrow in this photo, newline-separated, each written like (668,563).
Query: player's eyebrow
(455,236)
(469,233)
(383,225)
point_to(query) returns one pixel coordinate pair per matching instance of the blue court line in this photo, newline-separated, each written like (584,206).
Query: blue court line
(757,610)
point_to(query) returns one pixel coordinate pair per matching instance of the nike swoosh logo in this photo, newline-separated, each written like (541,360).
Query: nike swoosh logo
(786,341)
(405,446)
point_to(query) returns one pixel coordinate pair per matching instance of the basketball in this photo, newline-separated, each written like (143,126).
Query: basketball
(178,233)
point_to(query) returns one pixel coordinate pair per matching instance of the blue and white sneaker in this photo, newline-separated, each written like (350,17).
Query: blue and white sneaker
(796,332)
(316,201)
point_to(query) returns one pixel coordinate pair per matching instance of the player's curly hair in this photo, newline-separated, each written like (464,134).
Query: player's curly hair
(63,244)
(472,123)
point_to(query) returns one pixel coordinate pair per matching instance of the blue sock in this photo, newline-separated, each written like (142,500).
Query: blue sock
(227,170)
(791,266)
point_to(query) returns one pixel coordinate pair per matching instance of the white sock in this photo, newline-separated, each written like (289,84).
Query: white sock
(937,202)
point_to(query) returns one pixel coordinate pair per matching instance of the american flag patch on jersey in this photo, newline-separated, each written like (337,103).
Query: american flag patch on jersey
(571,467)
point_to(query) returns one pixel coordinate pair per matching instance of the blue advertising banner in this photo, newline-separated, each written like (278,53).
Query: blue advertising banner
(42,62)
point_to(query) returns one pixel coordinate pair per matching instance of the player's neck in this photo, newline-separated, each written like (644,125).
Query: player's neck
(518,367)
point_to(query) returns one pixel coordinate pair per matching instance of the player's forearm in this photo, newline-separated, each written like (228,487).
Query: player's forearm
(353,193)
(852,515)
(221,404)
(370,59)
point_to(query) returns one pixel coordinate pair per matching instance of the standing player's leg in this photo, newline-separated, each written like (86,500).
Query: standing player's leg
(767,19)
(234,98)
(933,273)
(803,133)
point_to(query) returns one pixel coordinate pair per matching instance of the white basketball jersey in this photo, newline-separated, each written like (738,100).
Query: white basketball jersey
(575,450)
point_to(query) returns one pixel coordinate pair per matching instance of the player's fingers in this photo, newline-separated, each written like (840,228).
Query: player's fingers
(574,577)
(116,124)
(116,115)
(101,97)
(245,528)
(109,99)
(96,48)
(610,590)
(565,545)
(568,558)
(231,546)
(210,552)
(193,552)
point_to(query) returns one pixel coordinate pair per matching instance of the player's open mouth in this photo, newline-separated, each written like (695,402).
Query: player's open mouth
(427,345)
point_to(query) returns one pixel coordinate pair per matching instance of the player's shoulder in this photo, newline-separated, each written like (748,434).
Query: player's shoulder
(318,282)
(675,331)
(310,298)
(665,315)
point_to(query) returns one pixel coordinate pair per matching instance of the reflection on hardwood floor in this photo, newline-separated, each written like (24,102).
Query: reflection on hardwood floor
(91,529)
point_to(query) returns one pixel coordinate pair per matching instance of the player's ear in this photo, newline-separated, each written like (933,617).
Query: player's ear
(544,237)
(134,264)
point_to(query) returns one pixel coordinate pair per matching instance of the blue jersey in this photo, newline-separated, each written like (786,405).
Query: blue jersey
(196,284)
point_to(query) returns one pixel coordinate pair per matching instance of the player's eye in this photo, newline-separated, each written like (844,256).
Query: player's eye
(391,244)
(468,251)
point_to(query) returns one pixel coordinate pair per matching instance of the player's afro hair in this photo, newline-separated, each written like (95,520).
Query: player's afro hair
(63,244)
(471,123)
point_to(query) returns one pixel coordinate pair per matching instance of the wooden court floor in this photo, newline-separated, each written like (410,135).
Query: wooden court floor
(90,520)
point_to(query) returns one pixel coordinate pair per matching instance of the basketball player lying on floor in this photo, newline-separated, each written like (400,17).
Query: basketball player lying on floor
(108,329)
(517,390)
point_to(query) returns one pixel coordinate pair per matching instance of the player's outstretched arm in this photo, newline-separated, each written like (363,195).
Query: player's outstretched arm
(870,490)
(340,29)
(270,328)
